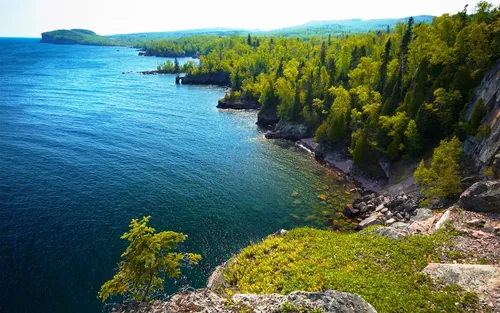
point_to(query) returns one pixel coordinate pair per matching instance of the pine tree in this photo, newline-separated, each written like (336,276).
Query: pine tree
(146,261)
(404,46)
(249,40)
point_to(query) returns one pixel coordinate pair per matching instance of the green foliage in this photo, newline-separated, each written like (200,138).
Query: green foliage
(361,148)
(384,271)
(413,141)
(342,84)
(169,67)
(146,262)
(289,308)
(442,178)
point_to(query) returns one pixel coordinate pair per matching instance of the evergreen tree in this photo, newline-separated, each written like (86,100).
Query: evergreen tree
(148,259)
(322,54)
(249,40)
(383,67)
(176,66)
(404,46)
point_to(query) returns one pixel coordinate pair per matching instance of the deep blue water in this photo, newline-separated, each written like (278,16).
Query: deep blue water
(85,148)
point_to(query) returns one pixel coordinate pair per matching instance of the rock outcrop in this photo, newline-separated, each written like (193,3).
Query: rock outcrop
(206,301)
(483,196)
(267,116)
(483,151)
(238,104)
(219,78)
(289,130)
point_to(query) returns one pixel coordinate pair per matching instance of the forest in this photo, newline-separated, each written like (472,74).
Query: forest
(396,92)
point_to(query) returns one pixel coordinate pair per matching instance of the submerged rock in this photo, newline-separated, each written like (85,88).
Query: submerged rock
(482,197)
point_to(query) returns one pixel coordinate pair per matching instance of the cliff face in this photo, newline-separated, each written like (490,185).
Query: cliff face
(483,150)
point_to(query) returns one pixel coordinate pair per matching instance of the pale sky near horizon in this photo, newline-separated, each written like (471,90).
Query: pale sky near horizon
(29,18)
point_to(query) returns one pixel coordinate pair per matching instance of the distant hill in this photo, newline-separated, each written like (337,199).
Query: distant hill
(77,36)
(335,27)
(314,28)
(179,34)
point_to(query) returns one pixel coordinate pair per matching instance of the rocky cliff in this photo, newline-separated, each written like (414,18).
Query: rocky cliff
(483,150)
(219,78)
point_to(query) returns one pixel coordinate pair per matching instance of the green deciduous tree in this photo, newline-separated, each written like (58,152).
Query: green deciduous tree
(146,262)
(442,178)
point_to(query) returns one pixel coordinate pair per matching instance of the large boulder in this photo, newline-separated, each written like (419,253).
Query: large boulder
(483,196)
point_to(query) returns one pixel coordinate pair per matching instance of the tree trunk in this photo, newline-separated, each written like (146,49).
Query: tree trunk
(146,291)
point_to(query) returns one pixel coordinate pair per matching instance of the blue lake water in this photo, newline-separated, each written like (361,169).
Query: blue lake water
(85,148)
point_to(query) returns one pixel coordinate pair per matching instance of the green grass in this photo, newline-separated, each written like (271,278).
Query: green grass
(385,272)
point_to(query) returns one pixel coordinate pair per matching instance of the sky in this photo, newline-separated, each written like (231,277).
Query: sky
(29,18)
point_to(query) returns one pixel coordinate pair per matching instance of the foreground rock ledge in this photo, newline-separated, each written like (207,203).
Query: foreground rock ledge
(206,301)
(482,279)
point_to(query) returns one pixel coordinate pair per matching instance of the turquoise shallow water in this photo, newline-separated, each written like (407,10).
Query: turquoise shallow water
(85,148)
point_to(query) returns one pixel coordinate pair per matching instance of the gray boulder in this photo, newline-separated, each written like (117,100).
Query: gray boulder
(393,232)
(422,215)
(483,196)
